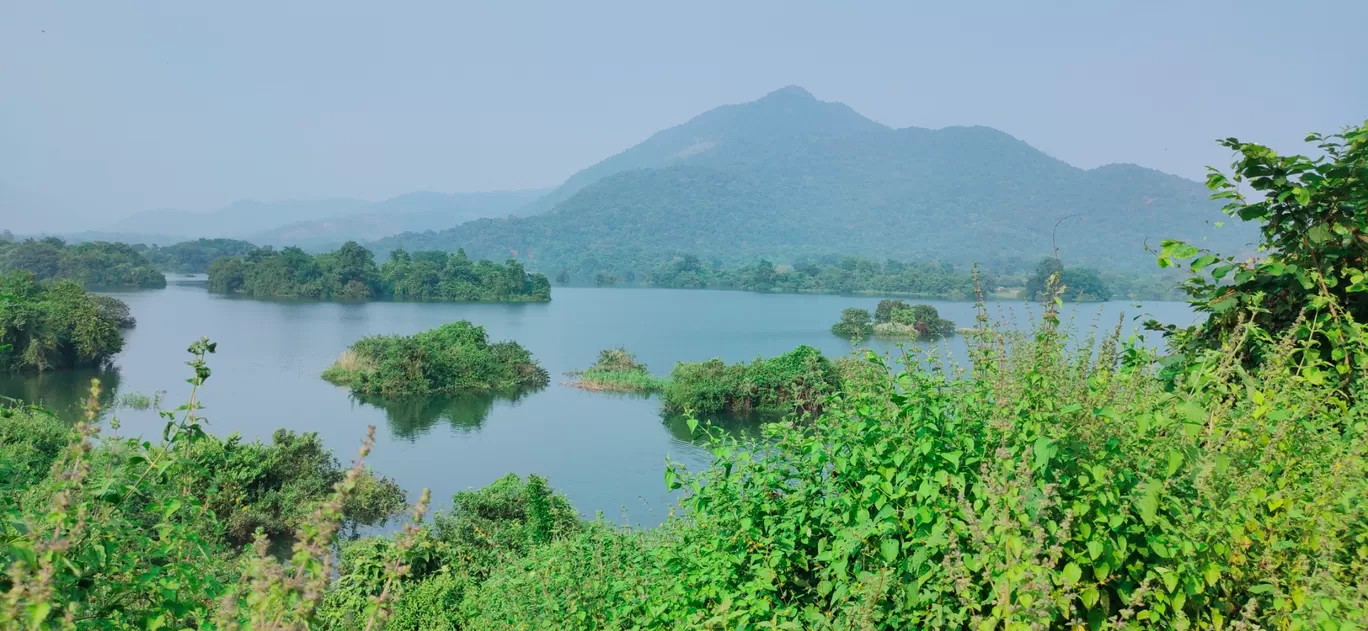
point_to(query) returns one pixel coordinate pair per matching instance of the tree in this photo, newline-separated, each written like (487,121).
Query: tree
(563,278)
(1313,225)
(855,324)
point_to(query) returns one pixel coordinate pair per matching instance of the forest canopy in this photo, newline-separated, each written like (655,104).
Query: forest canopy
(351,273)
(94,264)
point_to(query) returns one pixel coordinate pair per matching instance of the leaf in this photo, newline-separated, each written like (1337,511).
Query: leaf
(1095,549)
(889,548)
(1089,597)
(1202,261)
(1318,233)
(1072,573)
(1149,502)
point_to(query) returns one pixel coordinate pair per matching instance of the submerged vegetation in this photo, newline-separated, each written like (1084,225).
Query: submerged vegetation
(350,273)
(797,381)
(56,324)
(1050,483)
(455,358)
(617,371)
(93,265)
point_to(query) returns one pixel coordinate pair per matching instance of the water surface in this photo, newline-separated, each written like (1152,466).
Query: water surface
(605,452)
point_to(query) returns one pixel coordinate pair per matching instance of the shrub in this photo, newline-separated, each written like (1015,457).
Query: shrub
(895,318)
(795,381)
(454,358)
(855,324)
(56,325)
(617,370)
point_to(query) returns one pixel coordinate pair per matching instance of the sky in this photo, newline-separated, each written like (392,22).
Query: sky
(110,108)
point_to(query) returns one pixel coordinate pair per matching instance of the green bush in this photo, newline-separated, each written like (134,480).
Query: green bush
(451,359)
(854,324)
(796,381)
(895,318)
(56,325)
(617,371)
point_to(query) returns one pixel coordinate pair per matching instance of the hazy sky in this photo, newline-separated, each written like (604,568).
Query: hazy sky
(108,108)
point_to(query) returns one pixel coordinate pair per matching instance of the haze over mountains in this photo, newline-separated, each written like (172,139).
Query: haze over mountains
(779,177)
(789,174)
(325,222)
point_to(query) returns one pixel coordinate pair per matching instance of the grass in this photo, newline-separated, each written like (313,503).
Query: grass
(617,370)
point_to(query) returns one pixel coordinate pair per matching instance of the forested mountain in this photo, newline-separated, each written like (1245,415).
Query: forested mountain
(789,174)
(327,222)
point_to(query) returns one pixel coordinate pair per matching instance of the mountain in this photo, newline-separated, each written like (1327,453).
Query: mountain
(788,175)
(238,219)
(415,212)
(326,222)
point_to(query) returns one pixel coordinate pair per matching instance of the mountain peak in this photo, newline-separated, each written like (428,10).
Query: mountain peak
(790,92)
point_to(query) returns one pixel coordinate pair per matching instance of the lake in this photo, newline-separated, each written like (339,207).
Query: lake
(606,452)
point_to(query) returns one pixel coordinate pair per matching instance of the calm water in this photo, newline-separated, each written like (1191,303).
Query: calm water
(605,452)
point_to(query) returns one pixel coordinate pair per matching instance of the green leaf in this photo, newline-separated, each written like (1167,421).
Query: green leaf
(1095,549)
(1202,261)
(1318,233)
(1089,597)
(1149,502)
(889,548)
(1072,573)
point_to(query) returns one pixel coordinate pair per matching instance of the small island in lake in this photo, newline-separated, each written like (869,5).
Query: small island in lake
(617,370)
(455,358)
(797,381)
(894,318)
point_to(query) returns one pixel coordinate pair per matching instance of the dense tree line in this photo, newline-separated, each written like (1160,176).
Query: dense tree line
(55,324)
(821,275)
(351,273)
(95,264)
(193,257)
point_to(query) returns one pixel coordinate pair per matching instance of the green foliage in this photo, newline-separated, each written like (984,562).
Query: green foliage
(56,325)
(94,265)
(1076,284)
(194,257)
(617,371)
(350,273)
(115,533)
(485,531)
(440,276)
(1312,215)
(895,318)
(855,324)
(454,358)
(797,381)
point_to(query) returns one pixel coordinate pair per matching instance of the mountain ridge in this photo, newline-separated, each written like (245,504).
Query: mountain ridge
(789,174)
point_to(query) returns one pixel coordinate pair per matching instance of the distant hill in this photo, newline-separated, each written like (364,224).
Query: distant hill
(789,174)
(324,222)
(415,212)
(238,219)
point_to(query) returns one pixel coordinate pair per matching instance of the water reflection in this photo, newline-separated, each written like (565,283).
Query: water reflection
(413,417)
(747,427)
(63,392)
